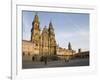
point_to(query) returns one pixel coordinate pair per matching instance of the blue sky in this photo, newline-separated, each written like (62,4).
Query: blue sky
(68,27)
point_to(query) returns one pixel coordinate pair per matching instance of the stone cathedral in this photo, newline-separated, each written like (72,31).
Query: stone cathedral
(43,43)
(45,40)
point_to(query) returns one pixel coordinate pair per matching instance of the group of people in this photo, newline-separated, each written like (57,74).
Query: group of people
(45,60)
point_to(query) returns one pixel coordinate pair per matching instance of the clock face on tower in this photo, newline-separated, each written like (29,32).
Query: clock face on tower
(36,26)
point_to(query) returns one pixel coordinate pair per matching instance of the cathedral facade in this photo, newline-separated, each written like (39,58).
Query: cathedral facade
(45,40)
(43,43)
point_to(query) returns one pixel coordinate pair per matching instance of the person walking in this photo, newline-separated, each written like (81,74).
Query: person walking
(45,60)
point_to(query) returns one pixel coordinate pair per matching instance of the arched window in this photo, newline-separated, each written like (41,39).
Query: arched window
(23,53)
(36,44)
(28,54)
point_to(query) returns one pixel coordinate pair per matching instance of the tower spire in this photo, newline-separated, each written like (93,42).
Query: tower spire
(69,46)
(51,26)
(35,31)
(36,18)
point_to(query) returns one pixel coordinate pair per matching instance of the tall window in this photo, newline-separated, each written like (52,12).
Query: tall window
(28,54)
(23,53)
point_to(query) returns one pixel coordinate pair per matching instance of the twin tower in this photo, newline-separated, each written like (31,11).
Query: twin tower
(44,40)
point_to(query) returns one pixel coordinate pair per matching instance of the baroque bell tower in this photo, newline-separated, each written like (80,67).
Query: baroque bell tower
(35,31)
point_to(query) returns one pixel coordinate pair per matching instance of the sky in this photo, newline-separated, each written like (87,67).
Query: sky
(68,27)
